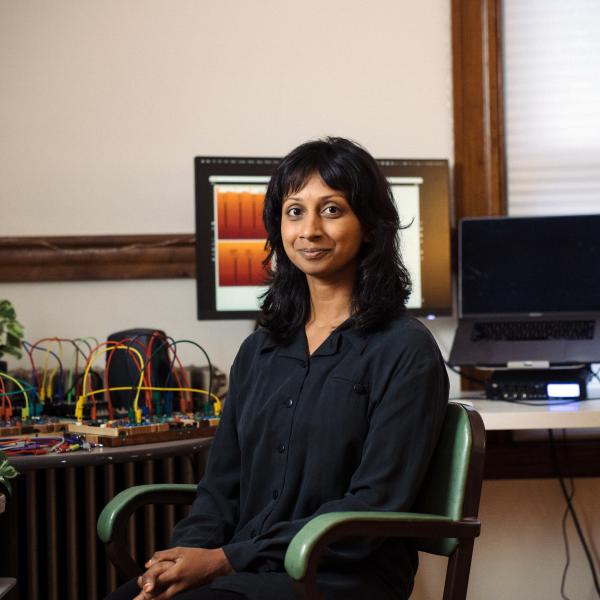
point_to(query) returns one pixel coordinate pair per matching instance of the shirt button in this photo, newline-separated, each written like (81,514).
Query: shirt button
(359,388)
(281,448)
(275,494)
(289,403)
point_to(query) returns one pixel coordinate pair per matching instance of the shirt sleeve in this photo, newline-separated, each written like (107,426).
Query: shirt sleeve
(215,511)
(403,431)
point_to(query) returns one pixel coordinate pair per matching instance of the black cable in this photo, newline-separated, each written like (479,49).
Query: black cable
(132,376)
(553,402)
(571,493)
(571,509)
(83,341)
(145,364)
(548,402)
(468,377)
(210,369)
(568,561)
(169,342)
(33,347)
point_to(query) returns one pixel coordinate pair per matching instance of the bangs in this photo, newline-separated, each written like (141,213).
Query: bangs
(328,168)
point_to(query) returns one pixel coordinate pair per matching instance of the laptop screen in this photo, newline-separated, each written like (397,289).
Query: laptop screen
(524,265)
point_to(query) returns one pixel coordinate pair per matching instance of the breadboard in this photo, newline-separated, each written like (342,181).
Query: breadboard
(140,434)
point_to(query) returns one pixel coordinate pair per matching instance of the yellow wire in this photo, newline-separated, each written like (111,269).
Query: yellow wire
(42,390)
(83,396)
(24,411)
(158,389)
(58,364)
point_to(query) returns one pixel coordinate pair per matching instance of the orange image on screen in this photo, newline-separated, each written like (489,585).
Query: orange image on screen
(240,263)
(240,215)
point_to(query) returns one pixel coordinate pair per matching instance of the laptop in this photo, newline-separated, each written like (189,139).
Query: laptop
(528,292)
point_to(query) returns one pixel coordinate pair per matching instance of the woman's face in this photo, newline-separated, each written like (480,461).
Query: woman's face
(321,234)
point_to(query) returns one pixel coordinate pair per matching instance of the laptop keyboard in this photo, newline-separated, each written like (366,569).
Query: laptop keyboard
(515,331)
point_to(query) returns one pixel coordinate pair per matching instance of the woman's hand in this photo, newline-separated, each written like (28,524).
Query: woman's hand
(178,569)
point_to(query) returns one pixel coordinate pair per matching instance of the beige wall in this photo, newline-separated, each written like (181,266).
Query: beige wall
(520,554)
(104,105)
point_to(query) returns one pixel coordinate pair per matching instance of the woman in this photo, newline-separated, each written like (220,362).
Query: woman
(335,402)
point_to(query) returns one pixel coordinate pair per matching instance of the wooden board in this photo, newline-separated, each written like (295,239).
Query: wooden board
(151,437)
(117,431)
(10,431)
(51,427)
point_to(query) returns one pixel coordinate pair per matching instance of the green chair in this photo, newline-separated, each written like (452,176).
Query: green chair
(443,522)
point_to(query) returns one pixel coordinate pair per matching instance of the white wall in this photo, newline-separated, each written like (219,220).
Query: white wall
(520,554)
(104,105)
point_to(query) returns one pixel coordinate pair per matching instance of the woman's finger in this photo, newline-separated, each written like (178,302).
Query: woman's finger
(150,579)
(160,555)
(169,592)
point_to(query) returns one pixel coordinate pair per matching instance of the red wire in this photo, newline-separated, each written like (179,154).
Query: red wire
(33,371)
(4,396)
(154,335)
(108,361)
(54,339)
(185,380)
(88,362)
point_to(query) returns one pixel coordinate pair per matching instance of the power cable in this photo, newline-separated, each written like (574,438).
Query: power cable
(573,513)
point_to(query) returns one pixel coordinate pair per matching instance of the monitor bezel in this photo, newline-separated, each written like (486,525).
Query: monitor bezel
(436,181)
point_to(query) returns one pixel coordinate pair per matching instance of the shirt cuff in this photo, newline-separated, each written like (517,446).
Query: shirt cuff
(240,554)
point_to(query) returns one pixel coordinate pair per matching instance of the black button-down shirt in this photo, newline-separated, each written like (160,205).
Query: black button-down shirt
(351,427)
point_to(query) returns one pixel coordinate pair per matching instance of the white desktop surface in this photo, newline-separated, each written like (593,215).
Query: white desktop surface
(499,415)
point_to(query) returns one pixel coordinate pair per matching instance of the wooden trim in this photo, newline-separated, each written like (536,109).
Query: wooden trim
(510,459)
(78,258)
(479,144)
(479,156)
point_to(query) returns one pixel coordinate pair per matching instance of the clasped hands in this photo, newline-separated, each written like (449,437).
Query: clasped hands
(172,571)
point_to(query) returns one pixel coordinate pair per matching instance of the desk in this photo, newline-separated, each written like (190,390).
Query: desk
(498,415)
(508,458)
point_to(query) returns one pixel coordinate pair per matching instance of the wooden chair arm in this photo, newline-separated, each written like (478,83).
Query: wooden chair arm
(113,519)
(305,549)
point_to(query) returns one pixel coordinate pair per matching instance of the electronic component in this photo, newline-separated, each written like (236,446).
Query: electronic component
(538,384)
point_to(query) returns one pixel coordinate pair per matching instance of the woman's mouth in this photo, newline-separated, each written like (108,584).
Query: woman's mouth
(314,253)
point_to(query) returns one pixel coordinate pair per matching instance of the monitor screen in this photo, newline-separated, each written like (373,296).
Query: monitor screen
(230,236)
(525,265)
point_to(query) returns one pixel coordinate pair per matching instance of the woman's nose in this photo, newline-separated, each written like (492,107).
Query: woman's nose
(311,226)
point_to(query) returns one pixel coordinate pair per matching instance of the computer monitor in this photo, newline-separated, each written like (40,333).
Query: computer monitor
(230,236)
(529,265)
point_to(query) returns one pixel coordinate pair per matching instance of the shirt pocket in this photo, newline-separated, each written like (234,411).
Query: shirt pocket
(344,405)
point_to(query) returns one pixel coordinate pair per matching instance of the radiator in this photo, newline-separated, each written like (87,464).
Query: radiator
(48,537)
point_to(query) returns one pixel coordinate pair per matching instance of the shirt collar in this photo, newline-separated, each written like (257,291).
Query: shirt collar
(298,349)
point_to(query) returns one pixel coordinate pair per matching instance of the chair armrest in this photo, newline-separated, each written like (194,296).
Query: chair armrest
(125,503)
(304,550)
(113,519)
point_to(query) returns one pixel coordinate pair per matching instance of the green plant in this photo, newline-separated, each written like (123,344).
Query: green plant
(11,331)
(7,471)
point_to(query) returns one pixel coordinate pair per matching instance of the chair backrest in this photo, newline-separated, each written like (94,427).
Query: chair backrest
(452,485)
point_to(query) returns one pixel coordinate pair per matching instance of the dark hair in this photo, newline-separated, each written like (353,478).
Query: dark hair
(382,284)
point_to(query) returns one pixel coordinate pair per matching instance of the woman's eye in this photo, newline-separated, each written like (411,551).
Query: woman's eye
(293,211)
(331,211)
